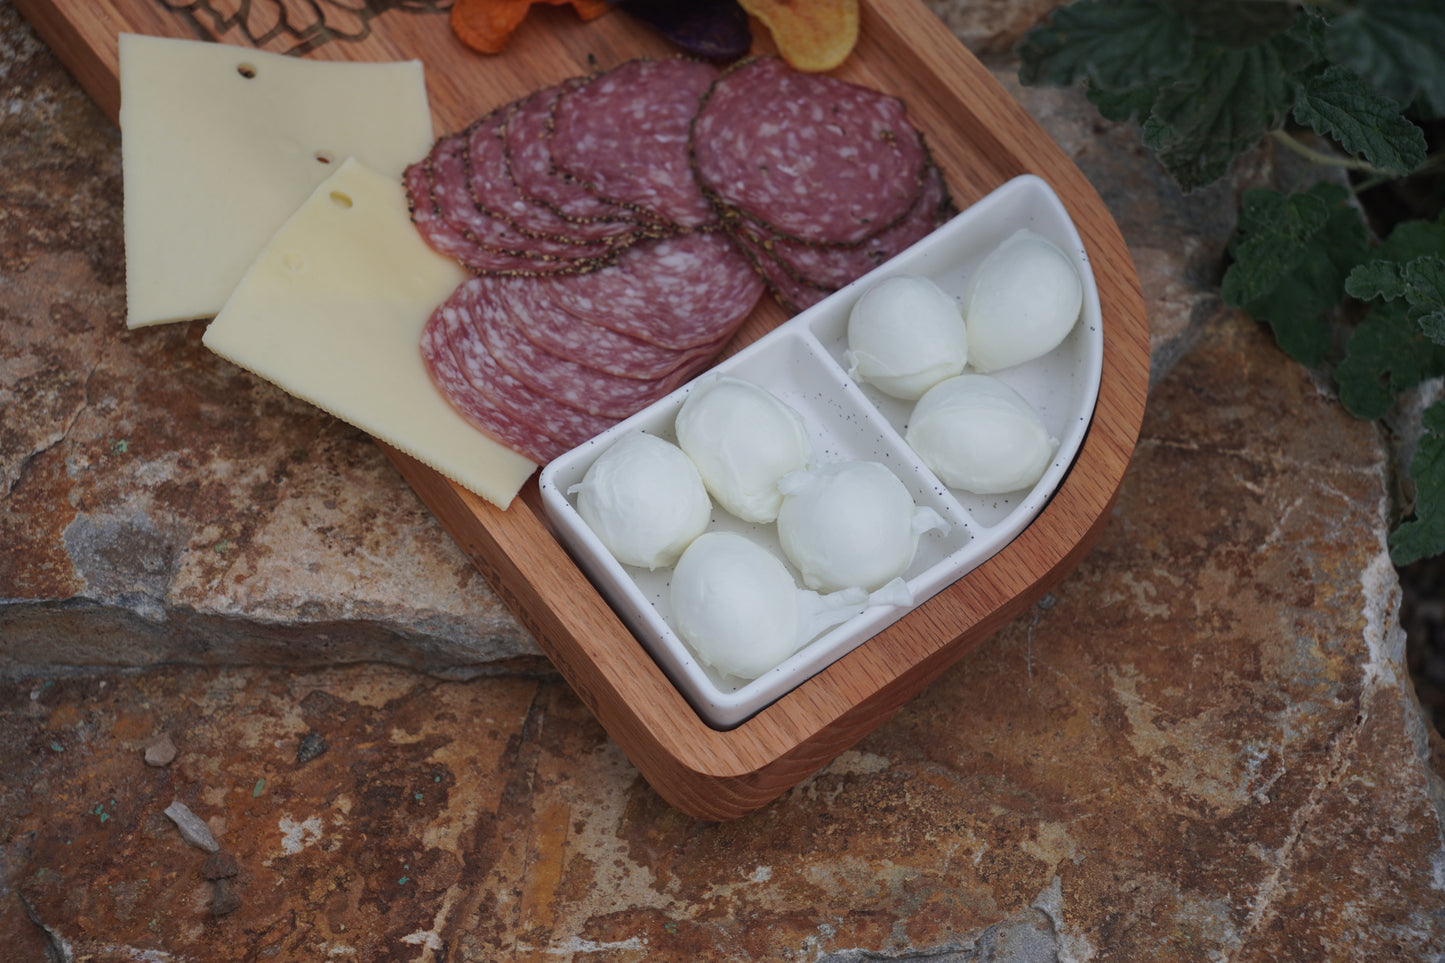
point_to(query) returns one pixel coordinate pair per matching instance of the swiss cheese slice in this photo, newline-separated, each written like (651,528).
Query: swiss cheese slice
(332,311)
(219,144)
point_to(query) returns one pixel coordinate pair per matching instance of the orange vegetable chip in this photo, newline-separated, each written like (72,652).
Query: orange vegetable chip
(487,25)
(812,35)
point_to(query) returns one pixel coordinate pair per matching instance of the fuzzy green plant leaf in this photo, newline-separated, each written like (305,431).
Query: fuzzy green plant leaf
(1386,354)
(1223,103)
(1336,102)
(1424,535)
(1399,45)
(1290,257)
(1409,266)
(1112,44)
(1390,350)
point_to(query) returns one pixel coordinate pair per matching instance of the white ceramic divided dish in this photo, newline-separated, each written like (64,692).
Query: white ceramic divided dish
(802,363)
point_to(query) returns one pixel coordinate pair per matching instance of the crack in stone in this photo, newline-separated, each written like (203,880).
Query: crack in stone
(23,467)
(57,948)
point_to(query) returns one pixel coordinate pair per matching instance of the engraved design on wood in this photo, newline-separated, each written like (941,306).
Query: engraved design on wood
(292,26)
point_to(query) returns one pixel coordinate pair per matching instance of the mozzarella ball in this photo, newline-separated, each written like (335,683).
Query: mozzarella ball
(978,434)
(742,439)
(848,524)
(644,500)
(1021,302)
(905,334)
(735,605)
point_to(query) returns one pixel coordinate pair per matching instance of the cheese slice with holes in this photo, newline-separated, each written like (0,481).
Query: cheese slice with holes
(332,311)
(219,144)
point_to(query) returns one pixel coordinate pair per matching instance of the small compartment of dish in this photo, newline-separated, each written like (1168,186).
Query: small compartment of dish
(841,426)
(1062,386)
(802,364)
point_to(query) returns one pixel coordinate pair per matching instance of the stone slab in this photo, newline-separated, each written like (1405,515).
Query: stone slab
(1202,746)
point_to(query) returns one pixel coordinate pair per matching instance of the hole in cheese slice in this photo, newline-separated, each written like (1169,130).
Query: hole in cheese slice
(217,153)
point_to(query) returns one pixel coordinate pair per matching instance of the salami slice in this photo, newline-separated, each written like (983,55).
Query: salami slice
(812,156)
(830,266)
(792,292)
(451,225)
(570,337)
(497,246)
(530,164)
(573,384)
(474,302)
(474,405)
(677,292)
(494,192)
(624,135)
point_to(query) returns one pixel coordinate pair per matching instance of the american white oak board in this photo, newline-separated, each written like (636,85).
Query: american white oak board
(981,138)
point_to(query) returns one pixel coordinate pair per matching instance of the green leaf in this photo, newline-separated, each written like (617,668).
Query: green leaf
(1386,354)
(1375,279)
(1425,293)
(1235,23)
(1224,102)
(1110,43)
(1411,239)
(1336,102)
(1410,267)
(1399,45)
(1424,535)
(1121,105)
(1291,255)
(1389,351)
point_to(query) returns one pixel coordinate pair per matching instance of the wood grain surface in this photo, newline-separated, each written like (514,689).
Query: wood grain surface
(981,138)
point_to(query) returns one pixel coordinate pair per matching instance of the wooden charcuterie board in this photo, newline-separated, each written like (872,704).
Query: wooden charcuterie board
(981,138)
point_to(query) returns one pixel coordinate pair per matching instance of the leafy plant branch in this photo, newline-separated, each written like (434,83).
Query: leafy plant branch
(1207,80)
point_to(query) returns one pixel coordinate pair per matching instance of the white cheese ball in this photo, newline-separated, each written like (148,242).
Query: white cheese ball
(644,500)
(848,524)
(905,335)
(1021,302)
(978,434)
(735,605)
(742,439)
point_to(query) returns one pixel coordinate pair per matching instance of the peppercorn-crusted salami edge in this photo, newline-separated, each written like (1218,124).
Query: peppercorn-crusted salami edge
(494,192)
(499,246)
(811,156)
(425,193)
(623,135)
(535,174)
(786,288)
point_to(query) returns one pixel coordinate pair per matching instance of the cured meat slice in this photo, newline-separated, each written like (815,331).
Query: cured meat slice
(447,237)
(496,247)
(624,135)
(470,306)
(792,292)
(475,406)
(567,336)
(436,230)
(809,155)
(494,192)
(676,292)
(830,266)
(569,382)
(530,164)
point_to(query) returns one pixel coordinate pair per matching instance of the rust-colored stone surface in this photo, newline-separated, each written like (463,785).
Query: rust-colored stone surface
(160,505)
(1202,746)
